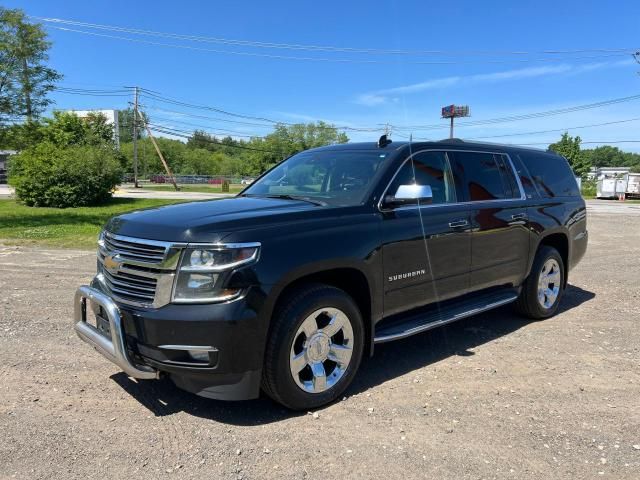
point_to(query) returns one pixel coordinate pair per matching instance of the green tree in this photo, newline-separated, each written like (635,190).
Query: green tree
(63,129)
(287,140)
(125,125)
(198,161)
(203,140)
(608,156)
(569,148)
(66,129)
(205,154)
(148,161)
(19,136)
(25,79)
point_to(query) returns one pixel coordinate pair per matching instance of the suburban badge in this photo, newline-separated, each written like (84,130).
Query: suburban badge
(403,276)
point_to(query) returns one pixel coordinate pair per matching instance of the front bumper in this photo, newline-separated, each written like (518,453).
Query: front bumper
(148,342)
(114,349)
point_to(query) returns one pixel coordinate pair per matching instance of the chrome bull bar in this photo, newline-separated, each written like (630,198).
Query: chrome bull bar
(114,349)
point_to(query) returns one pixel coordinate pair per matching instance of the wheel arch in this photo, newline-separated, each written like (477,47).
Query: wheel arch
(560,241)
(347,277)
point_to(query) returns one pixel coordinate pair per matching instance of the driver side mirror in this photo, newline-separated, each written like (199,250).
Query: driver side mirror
(410,195)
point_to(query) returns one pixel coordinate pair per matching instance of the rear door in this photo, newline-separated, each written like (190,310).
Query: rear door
(499,219)
(426,248)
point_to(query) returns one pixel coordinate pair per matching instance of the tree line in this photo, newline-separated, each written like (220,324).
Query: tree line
(63,159)
(204,154)
(582,161)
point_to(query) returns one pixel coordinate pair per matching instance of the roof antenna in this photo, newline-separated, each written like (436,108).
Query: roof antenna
(384,140)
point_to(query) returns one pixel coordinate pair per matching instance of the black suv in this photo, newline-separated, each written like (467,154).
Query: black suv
(287,285)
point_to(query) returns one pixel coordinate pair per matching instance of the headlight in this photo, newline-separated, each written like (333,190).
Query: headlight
(203,272)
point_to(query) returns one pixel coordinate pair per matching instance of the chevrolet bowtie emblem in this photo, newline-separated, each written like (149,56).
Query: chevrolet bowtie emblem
(111,263)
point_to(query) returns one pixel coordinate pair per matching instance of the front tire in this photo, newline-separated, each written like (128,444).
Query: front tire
(543,289)
(314,348)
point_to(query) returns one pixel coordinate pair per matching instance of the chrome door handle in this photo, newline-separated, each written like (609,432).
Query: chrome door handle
(458,223)
(519,216)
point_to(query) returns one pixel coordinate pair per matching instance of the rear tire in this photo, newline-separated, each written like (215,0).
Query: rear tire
(543,289)
(314,347)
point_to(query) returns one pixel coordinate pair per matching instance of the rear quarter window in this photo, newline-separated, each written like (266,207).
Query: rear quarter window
(551,174)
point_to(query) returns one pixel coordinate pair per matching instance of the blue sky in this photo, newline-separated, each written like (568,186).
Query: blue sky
(393,88)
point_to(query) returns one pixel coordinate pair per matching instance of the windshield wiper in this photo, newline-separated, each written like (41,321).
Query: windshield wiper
(297,197)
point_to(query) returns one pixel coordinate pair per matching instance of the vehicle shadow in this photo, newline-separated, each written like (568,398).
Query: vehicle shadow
(391,360)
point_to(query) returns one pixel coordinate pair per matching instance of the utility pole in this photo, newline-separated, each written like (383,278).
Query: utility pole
(164,162)
(135,137)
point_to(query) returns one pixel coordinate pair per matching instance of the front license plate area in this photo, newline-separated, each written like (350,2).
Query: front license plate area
(95,318)
(103,325)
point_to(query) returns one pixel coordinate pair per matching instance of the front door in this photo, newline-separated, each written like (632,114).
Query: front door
(426,247)
(499,223)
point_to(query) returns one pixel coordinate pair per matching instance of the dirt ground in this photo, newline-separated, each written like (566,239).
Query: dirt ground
(493,396)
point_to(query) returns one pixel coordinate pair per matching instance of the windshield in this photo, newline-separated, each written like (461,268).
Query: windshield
(333,177)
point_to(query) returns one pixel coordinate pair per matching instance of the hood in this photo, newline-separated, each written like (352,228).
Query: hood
(207,221)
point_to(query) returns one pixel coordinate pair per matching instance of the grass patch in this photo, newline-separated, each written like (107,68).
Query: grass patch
(63,227)
(194,188)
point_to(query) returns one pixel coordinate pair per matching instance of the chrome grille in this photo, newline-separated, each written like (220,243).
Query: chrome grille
(139,251)
(137,271)
(131,287)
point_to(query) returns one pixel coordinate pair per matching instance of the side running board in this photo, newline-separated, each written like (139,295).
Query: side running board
(395,329)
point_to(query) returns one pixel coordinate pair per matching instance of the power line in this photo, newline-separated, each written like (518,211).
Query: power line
(558,129)
(541,143)
(335,60)
(181,103)
(125,92)
(194,115)
(325,48)
(206,128)
(184,134)
(528,116)
(92,93)
(93,90)
(606,142)
(396,128)
(490,121)
(171,101)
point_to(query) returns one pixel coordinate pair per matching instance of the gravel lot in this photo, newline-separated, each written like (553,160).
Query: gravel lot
(493,396)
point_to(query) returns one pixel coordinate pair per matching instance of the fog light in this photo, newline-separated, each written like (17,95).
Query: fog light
(199,355)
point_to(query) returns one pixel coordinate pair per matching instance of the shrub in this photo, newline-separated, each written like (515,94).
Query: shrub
(47,175)
(225,186)
(589,188)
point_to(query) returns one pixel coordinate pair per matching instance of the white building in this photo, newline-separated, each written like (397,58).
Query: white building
(112,119)
(4,156)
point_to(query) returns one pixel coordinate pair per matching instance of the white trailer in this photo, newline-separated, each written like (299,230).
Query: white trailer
(611,186)
(633,185)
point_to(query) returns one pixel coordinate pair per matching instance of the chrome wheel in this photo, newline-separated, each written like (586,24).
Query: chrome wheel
(322,349)
(549,283)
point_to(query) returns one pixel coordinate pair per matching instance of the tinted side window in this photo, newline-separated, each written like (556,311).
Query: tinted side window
(427,168)
(527,183)
(510,182)
(551,174)
(482,176)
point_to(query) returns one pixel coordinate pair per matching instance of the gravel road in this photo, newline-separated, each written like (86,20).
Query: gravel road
(493,396)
